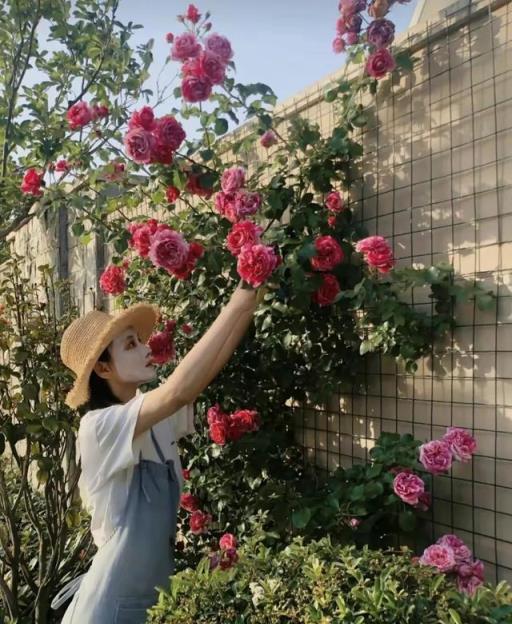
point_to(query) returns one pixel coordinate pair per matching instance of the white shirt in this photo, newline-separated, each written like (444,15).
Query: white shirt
(109,453)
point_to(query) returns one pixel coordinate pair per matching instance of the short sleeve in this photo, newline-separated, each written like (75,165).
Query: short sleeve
(183,421)
(112,429)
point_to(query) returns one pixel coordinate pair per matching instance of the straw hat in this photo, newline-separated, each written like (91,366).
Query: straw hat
(85,339)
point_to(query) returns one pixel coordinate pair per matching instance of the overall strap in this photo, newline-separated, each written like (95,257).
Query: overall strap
(157,447)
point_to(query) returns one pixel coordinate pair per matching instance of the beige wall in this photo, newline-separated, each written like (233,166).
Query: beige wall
(437,181)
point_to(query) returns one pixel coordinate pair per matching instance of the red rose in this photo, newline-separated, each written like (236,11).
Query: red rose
(334,202)
(168,249)
(189,502)
(186,474)
(62,165)
(31,183)
(79,115)
(327,292)
(195,251)
(161,153)
(143,118)
(329,254)
(256,263)
(247,420)
(162,347)
(219,431)
(169,132)
(184,47)
(192,14)
(331,220)
(186,329)
(215,414)
(112,280)
(377,253)
(172,194)
(199,522)
(243,233)
(141,236)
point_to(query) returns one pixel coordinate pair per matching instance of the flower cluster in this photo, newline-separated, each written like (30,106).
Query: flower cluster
(450,555)
(230,427)
(204,64)
(377,253)
(151,140)
(437,455)
(80,114)
(328,255)
(255,261)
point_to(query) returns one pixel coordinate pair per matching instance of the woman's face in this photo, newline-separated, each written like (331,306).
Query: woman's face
(131,357)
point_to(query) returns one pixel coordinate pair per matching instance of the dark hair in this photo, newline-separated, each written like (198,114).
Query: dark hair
(101,394)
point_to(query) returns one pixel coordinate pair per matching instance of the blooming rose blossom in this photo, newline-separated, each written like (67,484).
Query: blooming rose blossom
(168,249)
(256,263)
(189,502)
(139,145)
(232,179)
(238,205)
(220,46)
(141,235)
(206,65)
(242,422)
(31,183)
(468,584)
(62,165)
(195,251)
(408,487)
(172,193)
(380,63)
(162,347)
(79,115)
(184,47)
(328,253)
(268,139)
(462,443)
(243,233)
(219,430)
(199,522)
(214,414)
(353,23)
(377,253)
(143,118)
(228,540)
(439,556)
(170,132)
(327,292)
(334,202)
(436,456)
(196,89)
(461,552)
(112,280)
(351,38)
(381,33)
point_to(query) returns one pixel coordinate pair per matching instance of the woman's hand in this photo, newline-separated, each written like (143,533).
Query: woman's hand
(244,297)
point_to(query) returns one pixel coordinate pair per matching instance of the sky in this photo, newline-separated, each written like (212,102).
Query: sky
(284,43)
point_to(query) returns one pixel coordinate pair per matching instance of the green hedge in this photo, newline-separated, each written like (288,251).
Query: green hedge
(322,583)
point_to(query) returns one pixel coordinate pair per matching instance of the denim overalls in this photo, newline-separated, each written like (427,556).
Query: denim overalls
(121,583)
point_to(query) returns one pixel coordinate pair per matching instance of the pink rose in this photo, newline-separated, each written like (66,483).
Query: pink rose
(143,118)
(408,487)
(334,202)
(169,37)
(243,233)
(196,89)
(195,251)
(328,254)
(170,132)
(268,139)
(79,115)
(438,556)
(468,584)
(162,347)
(228,558)
(199,522)
(380,63)
(168,249)
(377,253)
(331,220)
(189,502)
(351,38)
(245,204)
(462,444)
(112,280)
(228,540)
(220,46)
(206,65)
(184,47)
(381,32)
(328,291)
(31,183)
(461,552)
(233,179)
(256,263)
(139,144)
(215,414)
(436,456)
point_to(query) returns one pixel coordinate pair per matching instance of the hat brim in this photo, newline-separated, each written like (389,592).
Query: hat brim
(142,316)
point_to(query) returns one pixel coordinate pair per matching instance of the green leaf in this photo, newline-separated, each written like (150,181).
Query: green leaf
(221,126)
(301,517)
(407,521)
(331,95)
(455,617)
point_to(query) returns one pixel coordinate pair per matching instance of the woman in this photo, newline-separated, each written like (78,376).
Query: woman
(131,472)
